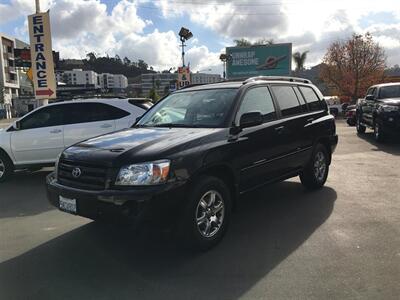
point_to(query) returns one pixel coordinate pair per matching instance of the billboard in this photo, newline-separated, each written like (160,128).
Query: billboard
(44,80)
(272,60)
(183,77)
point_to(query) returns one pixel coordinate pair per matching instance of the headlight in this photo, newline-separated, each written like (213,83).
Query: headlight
(389,108)
(148,173)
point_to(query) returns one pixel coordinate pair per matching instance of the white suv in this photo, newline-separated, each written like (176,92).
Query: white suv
(35,140)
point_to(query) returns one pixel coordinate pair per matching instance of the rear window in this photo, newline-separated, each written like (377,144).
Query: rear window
(311,97)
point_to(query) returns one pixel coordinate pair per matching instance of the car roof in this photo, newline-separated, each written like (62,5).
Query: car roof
(385,84)
(237,83)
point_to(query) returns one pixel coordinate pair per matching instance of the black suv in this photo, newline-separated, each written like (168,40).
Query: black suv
(189,158)
(380,110)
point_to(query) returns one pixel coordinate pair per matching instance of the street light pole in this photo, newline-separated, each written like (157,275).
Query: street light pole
(37,6)
(183,51)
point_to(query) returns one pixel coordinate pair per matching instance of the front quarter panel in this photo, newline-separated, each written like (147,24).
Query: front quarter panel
(5,143)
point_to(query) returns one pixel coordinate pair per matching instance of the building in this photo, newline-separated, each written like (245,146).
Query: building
(9,79)
(113,82)
(203,78)
(160,81)
(78,77)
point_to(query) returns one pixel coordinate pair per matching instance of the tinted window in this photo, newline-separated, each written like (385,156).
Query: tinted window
(392,91)
(303,103)
(311,97)
(258,99)
(45,117)
(287,100)
(92,112)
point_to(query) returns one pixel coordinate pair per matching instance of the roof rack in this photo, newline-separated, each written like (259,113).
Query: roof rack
(277,78)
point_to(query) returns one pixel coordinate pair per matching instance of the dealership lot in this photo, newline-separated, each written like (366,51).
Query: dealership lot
(341,242)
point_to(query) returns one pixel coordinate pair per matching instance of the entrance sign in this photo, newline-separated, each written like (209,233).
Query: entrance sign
(275,59)
(44,80)
(183,77)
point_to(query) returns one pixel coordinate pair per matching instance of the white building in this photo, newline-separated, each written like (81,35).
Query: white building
(160,81)
(201,78)
(78,77)
(9,78)
(113,81)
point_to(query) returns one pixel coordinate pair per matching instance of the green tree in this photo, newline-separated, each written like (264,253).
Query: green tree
(142,65)
(91,56)
(299,60)
(127,61)
(154,95)
(246,43)
(242,43)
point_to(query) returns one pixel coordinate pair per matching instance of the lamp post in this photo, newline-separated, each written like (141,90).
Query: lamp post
(184,35)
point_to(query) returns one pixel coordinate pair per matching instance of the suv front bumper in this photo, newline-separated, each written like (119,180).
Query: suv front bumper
(132,205)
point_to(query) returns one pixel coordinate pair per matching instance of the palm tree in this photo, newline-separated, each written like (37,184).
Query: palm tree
(299,60)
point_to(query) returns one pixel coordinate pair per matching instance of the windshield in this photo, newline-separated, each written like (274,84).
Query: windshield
(205,108)
(392,91)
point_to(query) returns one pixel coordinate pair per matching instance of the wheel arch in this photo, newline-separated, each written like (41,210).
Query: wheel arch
(223,172)
(326,143)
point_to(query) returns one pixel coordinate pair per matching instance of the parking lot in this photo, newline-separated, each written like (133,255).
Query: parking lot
(341,242)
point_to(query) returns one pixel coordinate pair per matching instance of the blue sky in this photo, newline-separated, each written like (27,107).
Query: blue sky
(144,29)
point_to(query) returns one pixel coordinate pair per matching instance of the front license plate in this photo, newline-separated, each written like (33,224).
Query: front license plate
(68,205)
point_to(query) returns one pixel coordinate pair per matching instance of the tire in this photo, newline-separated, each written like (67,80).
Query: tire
(379,134)
(360,128)
(316,172)
(6,167)
(199,228)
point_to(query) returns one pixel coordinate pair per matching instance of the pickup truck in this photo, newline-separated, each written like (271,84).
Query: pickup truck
(380,111)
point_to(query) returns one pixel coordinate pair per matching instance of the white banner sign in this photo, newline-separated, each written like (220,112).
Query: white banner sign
(44,80)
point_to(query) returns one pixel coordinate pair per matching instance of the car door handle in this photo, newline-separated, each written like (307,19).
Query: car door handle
(279,129)
(55,131)
(106,126)
(310,120)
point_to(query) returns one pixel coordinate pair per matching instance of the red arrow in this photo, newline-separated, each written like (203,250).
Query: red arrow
(47,92)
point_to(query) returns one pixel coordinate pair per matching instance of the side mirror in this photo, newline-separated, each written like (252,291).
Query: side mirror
(17,125)
(370,97)
(251,119)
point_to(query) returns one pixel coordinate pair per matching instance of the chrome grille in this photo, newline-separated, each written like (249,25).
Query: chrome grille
(90,177)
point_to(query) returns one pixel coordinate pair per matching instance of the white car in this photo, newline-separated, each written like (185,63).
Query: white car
(35,140)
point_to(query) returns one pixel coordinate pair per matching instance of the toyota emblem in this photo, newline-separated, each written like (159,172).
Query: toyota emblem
(76,172)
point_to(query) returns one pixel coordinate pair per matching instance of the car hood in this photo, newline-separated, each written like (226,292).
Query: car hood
(391,101)
(138,145)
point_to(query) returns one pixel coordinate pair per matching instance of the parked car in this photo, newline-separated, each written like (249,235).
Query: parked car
(335,107)
(351,116)
(380,110)
(35,140)
(193,153)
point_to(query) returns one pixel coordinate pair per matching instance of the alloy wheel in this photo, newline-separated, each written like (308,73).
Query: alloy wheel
(377,131)
(2,168)
(319,166)
(210,213)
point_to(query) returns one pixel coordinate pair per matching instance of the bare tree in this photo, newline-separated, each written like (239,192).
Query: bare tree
(353,65)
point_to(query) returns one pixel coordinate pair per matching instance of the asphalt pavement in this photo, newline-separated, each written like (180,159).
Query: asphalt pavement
(341,242)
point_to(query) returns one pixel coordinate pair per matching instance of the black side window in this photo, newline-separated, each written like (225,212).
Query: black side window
(311,97)
(92,112)
(287,100)
(258,99)
(303,103)
(45,117)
